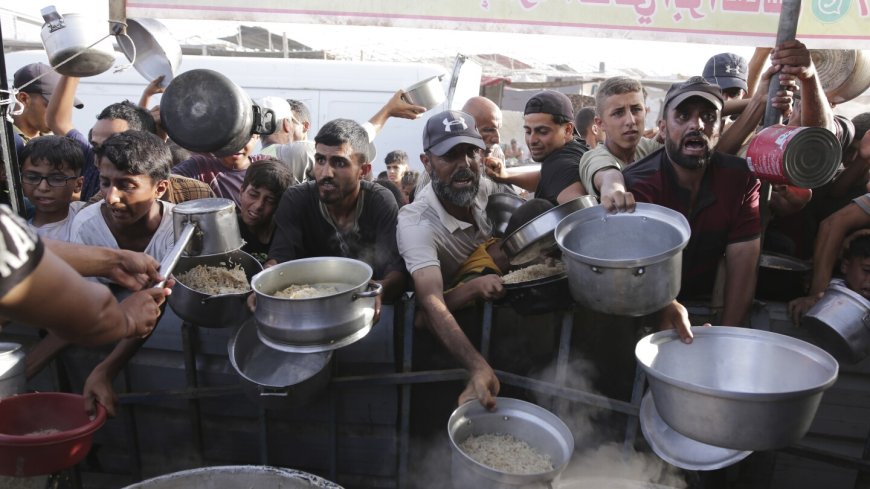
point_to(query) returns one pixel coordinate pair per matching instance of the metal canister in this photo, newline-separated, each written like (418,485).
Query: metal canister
(12,370)
(806,157)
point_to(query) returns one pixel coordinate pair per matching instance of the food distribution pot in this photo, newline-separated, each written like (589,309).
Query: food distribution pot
(627,264)
(320,323)
(65,35)
(217,227)
(152,49)
(736,388)
(840,322)
(12,370)
(235,477)
(535,238)
(215,311)
(539,296)
(426,93)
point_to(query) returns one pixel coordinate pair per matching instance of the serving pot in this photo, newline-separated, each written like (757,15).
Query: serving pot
(152,49)
(320,323)
(213,311)
(736,388)
(426,93)
(781,277)
(273,378)
(840,322)
(499,209)
(64,36)
(528,422)
(12,369)
(535,238)
(539,296)
(217,227)
(235,477)
(627,264)
(204,111)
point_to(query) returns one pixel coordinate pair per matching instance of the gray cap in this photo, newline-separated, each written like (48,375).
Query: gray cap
(449,128)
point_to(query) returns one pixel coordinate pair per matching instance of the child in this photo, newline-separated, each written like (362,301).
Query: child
(264,183)
(51,179)
(855,266)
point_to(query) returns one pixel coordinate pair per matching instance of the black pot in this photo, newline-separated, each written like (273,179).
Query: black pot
(782,278)
(204,111)
(539,296)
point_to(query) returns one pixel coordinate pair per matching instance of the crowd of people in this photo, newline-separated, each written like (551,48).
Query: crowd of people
(100,202)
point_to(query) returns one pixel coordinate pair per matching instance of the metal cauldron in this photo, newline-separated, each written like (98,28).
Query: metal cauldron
(627,264)
(535,238)
(64,36)
(320,323)
(216,311)
(840,322)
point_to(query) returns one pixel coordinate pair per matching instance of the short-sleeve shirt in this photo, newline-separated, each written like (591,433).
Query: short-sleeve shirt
(90,228)
(90,172)
(559,170)
(224,182)
(304,228)
(21,250)
(727,211)
(429,236)
(600,158)
(59,230)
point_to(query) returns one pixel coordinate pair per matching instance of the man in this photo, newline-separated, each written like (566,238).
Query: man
(301,120)
(728,71)
(284,127)
(33,96)
(548,121)
(438,232)
(338,214)
(397,166)
(717,193)
(587,128)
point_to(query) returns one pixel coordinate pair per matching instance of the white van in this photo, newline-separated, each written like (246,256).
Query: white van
(330,89)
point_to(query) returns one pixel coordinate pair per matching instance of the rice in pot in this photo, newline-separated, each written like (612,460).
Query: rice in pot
(534,272)
(505,453)
(308,291)
(211,280)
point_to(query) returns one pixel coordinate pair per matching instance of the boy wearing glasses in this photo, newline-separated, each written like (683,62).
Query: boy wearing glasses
(51,179)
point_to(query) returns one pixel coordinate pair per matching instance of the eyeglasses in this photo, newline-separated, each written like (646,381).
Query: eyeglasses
(54,180)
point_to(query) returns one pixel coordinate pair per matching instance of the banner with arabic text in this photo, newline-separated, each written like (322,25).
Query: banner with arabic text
(823,23)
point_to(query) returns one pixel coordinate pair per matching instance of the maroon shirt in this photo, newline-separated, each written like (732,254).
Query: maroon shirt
(727,210)
(223,181)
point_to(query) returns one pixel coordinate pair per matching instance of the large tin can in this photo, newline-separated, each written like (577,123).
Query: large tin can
(806,157)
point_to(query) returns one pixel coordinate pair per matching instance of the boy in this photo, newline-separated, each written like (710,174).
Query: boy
(855,266)
(51,178)
(264,183)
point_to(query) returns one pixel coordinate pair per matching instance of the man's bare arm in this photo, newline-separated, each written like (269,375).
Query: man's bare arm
(741,265)
(59,112)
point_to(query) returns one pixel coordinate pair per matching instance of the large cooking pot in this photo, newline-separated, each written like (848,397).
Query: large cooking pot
(736,388)
(627,264)
(320,323)
(781,277)
(213,311)
(540,296)
(541,429)
(12,370)
(840,322)
(66,35)
(844,73)
(427,93)
(235,477)
(204,111)
(277,379)
(217,227)
(535,238)
(151,48)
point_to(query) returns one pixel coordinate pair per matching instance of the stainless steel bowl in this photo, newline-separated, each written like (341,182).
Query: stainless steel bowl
(531,423)
(157,52)
(234,477)
(736,388)
(499,209)
(840,322)
(427,93)
(535,238)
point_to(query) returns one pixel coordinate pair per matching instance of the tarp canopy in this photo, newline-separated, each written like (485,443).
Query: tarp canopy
(843,24)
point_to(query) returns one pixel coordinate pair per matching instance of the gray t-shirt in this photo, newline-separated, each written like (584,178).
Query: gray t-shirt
(600,158)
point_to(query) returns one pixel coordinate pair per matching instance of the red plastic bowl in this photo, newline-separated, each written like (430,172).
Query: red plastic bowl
(24,454)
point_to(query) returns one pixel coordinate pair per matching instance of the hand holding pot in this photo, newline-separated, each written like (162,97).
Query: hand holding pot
(483,386)
(798,307)
(98,389)
(135,270)
(397,106)
(142,310)
(675,316)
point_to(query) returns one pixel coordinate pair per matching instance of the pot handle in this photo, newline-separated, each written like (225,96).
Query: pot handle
(376,290)
(53,18)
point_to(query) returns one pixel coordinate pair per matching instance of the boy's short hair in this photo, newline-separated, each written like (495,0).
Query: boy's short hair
(396,156)
(56,150)
(615,85)
(857,245)
(268,173)
(137,153)
(584,118)
(138,118)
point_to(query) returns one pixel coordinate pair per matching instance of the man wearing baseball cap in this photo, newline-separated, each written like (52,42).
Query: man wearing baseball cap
(728,71)
(35,83)
(438,233)
(717,193)
(548,121)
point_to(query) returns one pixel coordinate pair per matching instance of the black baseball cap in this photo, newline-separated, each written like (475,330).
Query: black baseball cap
(726,70)
(550,102)
(449,128)
(44,85)
(696,86)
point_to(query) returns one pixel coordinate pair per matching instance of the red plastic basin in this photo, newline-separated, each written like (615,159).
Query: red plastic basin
(25,452)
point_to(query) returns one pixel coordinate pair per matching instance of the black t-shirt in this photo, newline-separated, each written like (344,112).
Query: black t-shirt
(560,170)
(253,246)
(21,250)
(303,231)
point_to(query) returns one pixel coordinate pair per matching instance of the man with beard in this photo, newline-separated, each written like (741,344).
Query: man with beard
(339,214)
(717,193)
(440,230)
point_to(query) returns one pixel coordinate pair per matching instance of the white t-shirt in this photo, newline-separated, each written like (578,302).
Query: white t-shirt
(90,228)
(59,230)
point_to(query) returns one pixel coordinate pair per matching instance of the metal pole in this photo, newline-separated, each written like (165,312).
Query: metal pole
(788,20)
(7,145)
(188,337)
(405,413)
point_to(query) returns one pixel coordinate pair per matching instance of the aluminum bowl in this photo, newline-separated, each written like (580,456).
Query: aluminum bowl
(736,388)
(840,322)
(499,209)
(531,423)
(535,238)
(234,477)
(156,51)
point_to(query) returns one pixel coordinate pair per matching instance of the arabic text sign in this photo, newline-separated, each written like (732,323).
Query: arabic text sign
(823,23)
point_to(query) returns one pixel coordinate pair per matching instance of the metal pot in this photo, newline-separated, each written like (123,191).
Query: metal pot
(66,35)
(276,379)
(627,264)
(12,370)
(234,477)
(213,311)
(844,73)
(840,322)
(428,93)
(531,423)
(781,277)
(736,388)
(217,227)
(152,49)
(535,238)
(204,111)
(539,296)
(499,209)
(321,323)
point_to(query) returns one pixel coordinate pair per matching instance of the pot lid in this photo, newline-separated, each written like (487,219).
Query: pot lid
(679,450)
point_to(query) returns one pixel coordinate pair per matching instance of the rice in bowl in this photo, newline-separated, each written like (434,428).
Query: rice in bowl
(506,453)
(216,280)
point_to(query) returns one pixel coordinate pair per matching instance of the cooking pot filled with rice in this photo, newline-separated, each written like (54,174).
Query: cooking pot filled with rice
(520,444)
(537,289)
(315,304)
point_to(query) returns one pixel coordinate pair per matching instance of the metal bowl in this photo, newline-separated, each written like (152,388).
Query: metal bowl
(840,322)
(234,477)
(499,209)
(736,388)
(427,93)
(531,423)
(157,52)
(535,238)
